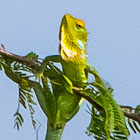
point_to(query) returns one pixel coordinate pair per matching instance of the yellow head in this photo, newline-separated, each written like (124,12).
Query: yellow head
(73,38)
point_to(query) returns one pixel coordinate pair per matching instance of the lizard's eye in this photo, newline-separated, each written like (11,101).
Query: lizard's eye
(80,24)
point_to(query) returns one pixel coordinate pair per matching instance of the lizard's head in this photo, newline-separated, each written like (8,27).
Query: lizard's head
(73,38)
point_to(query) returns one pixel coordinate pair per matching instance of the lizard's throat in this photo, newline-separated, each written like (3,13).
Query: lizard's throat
(68,54)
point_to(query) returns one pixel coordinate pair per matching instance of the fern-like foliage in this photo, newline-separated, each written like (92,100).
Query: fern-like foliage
(97,127)
(110,118)
(18,73)
(18,120)
(26,100)
(0,64)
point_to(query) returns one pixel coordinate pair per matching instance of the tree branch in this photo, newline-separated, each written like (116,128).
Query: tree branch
(79,92)
(129,114)
(133,116)
(32,64)
(21,59)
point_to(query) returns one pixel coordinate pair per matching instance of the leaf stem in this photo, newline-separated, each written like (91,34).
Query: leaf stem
(53,134)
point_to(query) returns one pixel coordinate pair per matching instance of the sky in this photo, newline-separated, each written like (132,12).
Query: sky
(113,49)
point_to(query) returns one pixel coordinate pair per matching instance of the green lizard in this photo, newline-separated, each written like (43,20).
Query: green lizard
(61,107)
(73,58)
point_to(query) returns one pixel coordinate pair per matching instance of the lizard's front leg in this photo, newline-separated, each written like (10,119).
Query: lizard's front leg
(92,70)
(46,61)
(98,79)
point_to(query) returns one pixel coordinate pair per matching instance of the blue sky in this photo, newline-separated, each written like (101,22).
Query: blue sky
(113,49)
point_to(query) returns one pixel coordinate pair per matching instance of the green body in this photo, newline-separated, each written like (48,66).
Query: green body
(73,64)
(72,49)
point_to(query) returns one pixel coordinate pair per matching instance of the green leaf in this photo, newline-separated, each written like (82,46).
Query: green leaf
(120,137)
(131,126)
(18,120)
(22,98)
(136,127)
(137,110)
(24,84)
(29,99)
(62,79)
(0,66)
(16,126)
(32,56)
(113,116)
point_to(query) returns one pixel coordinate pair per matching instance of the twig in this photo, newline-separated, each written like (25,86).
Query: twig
(129,107)
(133,116)
(17,58)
